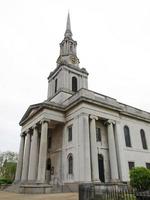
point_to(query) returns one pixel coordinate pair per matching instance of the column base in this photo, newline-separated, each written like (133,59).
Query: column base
(115,181)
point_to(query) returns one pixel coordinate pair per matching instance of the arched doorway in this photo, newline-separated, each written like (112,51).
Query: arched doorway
(48,170)
(101,168)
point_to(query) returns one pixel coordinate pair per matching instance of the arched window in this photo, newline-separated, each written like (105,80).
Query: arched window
(70,164)
(48,164)
(55,85)
(127,136)
(101,168)
(74,84)
(143,139)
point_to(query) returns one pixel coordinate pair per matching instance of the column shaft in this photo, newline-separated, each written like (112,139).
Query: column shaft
(26,158)
(33,156)
(82,132)
(43,153)
(20,159)
(94,154)
(120,153)
(87,157)
(112,152)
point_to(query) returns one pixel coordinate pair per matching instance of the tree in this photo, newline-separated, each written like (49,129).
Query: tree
(8,162)
(140,178)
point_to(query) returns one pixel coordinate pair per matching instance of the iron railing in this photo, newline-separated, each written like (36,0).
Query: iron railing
(110,192)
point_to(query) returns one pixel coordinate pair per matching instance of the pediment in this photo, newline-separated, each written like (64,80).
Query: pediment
(31,111)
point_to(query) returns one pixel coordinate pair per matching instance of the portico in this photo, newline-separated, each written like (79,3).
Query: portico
(33,153)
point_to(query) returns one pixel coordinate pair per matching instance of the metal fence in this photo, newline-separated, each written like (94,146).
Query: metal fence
(110,192)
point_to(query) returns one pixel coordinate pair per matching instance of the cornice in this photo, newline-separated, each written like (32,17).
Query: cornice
(81,70)
(80,98)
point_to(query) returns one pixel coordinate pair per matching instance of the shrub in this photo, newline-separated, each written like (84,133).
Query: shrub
(140,178)
(5,181)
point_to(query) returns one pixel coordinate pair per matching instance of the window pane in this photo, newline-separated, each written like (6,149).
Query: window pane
(48,164)
(49,140)
(74,84)
(148,165)
(131,165)
(70,133)
(55,85)
(70,164)
(143,139)
(127,136)
(98,134)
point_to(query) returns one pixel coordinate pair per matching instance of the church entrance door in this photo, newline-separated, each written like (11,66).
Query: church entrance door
(48,170)
(101,168)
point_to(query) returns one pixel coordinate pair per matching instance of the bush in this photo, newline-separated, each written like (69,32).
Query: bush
(5,181)
(140,178)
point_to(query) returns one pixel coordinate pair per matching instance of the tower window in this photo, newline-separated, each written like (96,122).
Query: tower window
(143,139)
(69,133)
(55,85)
(70,164)
(98,134)
(74,84)
(127,136)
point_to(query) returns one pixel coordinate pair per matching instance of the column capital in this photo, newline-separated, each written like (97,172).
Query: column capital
(44,120)
(27,131)
(109,121)
(34,126)
(22,134)
(93,117)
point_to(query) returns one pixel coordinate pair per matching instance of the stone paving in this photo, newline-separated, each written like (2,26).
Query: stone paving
(58,196)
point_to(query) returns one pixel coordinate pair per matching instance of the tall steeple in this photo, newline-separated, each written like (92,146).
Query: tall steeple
(67,78)
(68,32)
(68,55)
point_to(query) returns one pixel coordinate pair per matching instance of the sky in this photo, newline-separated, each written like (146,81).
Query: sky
(113,45)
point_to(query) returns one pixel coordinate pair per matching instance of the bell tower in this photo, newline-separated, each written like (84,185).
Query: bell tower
(67,78)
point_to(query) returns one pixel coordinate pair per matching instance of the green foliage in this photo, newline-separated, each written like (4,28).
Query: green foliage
(5,181)
(140,178)
(8,162)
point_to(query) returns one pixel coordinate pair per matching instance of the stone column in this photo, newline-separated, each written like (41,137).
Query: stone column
(20,159)
(26,157)
(87,157)
(43,153)
(120,153)
(81,125)
(112,151)
(94,154)
(33,156)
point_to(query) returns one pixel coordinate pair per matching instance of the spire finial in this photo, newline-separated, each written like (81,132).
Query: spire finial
(68,32)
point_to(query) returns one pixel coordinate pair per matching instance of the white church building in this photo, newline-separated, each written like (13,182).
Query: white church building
(78,135)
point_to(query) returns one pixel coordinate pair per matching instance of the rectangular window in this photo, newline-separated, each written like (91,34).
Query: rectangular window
(49,141)
(69,133)
(148,165)
(98,134)
(131,165)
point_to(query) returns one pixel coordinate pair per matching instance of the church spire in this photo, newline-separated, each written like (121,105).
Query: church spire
(68,32)
(68,54)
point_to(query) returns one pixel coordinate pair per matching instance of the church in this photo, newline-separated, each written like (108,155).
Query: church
(78,135)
